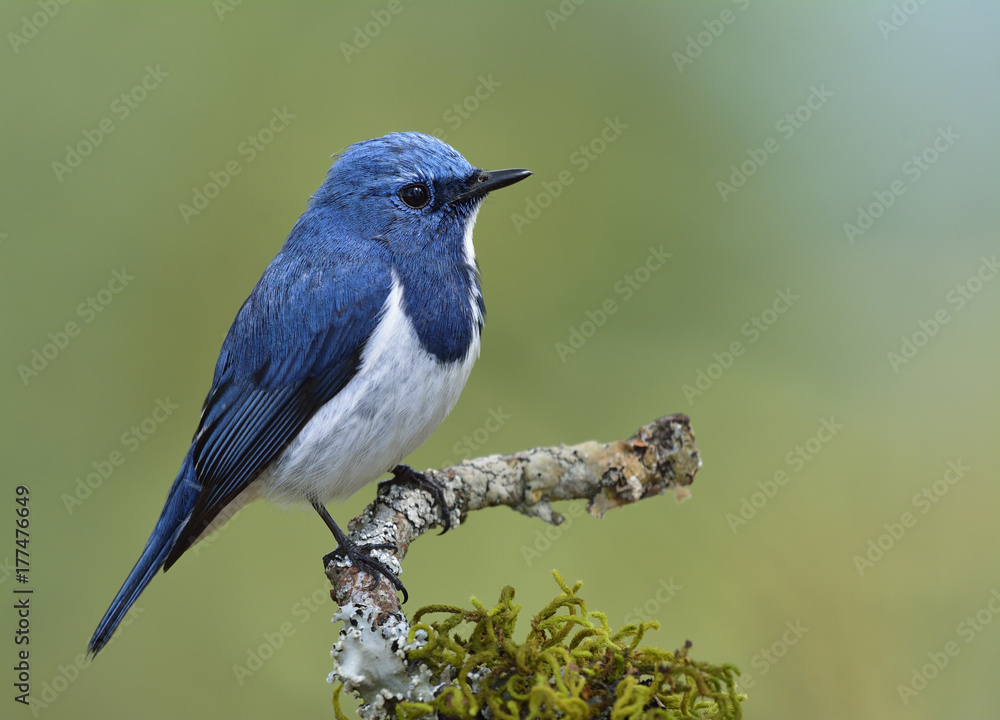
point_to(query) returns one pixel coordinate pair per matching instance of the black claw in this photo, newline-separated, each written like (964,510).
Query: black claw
(359,555)
(404,473)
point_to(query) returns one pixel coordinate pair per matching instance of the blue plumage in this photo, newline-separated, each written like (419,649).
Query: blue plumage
(348,352)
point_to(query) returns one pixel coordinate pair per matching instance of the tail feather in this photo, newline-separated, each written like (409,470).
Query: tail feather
(181,500)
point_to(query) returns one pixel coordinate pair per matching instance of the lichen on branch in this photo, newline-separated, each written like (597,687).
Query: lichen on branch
(659,456)
(572,665)
(395,666)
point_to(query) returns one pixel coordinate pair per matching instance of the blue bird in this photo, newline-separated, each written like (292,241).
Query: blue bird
(351,349)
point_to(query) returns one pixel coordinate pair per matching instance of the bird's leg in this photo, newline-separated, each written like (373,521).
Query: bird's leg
(359,555)
(404,473)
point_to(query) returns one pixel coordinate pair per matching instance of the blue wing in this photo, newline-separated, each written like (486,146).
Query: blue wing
(295,343)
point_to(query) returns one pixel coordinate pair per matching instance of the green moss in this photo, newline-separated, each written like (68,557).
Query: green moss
(571,665)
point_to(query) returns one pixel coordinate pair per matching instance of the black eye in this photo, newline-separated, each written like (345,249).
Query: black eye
(415,196)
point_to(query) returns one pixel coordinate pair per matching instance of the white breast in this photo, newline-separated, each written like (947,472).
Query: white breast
(400,394)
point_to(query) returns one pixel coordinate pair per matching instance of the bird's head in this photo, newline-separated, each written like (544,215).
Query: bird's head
(411,191)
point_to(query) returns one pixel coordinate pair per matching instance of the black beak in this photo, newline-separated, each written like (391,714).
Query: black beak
(484,181)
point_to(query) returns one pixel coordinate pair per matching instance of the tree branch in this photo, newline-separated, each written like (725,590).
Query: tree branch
(370,655)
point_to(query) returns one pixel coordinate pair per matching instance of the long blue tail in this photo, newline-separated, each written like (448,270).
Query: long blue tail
(180,502)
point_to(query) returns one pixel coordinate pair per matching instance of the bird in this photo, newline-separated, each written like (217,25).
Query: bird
(348,353)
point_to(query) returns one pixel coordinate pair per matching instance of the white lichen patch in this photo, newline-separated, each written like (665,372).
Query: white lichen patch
(370,659)
(634,489)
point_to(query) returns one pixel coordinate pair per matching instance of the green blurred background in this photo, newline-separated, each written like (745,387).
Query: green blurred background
(693,89)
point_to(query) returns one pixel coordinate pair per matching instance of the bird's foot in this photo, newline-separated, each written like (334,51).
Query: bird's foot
(360,556)
(404,473)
